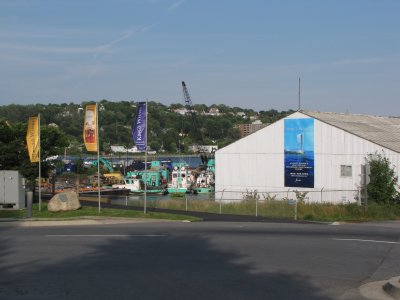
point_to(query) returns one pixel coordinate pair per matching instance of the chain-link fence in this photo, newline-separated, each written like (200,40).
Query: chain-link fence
(278,204)
(272,203)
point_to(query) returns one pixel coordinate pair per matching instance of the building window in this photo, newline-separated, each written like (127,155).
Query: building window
(345,171)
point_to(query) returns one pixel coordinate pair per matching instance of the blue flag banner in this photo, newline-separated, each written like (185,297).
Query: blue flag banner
(139,127)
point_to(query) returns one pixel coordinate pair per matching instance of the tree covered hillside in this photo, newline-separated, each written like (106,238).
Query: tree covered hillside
(169,127)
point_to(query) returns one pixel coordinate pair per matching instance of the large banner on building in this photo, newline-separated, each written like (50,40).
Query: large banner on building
(32,139)
(90,128)
(139,127)
(299,152)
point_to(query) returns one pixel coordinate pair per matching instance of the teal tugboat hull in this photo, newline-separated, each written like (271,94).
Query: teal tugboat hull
(173,190)
(203,190)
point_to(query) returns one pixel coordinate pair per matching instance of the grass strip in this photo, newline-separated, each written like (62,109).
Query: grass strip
(86,211)
(325,212)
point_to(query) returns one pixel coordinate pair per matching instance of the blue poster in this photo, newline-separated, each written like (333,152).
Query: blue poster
(139,127)
(299,152)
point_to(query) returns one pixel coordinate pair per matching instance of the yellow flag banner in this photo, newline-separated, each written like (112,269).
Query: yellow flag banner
(90,128)
(32,139)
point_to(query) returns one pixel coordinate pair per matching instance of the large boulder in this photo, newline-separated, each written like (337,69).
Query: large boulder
(64,202)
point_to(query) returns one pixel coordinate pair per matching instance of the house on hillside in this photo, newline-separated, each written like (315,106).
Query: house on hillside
(181,111)
(241,114)
(203,148)
(323,154)
(213,111)
(123,149)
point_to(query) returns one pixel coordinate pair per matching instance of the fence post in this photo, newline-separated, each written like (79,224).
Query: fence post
(359,197)
(321,194)
(186,201)
(220,202)
(29,201)
(295,210)
(256,206)
(126,200)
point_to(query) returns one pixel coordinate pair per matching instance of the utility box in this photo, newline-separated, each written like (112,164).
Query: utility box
(12,190)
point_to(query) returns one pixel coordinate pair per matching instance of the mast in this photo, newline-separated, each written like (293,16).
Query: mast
(98,155)
(145,168)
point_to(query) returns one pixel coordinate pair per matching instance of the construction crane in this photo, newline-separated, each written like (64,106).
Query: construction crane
(197,134)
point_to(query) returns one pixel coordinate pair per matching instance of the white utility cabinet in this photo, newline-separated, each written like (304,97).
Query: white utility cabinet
(12,190)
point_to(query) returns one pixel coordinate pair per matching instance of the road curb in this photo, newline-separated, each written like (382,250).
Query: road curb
(382,290)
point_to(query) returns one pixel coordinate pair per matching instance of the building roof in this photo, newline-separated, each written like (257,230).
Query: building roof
(383,131)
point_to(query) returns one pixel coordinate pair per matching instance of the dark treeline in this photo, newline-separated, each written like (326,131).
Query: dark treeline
(167,129)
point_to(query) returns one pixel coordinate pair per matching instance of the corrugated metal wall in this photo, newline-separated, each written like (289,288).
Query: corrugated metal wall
(256,162)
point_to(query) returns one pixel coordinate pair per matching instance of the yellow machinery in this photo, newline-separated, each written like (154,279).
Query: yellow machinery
(113,178)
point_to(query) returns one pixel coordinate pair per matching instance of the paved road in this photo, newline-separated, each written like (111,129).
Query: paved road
(204,260)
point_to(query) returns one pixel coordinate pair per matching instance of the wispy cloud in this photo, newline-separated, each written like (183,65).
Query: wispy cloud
(49,49)
(108,47)
(23,46)
(126,34)
(67,58)
(342,63)
(358,61)
(175,5)
(24,32)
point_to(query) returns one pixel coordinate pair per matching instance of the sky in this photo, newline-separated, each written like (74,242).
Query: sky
(249,54)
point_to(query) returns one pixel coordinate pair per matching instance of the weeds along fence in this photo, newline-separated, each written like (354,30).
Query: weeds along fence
(309,196)
(313,204)
(279,204)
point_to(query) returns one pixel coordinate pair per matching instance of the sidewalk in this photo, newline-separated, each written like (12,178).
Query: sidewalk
(382,290)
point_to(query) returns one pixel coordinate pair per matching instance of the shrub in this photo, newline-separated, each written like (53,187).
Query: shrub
(382,187)
(251,195)
(300,196)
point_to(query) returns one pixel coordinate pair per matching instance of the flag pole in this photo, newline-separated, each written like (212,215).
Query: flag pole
(98,155)
(40,168)
(145,167)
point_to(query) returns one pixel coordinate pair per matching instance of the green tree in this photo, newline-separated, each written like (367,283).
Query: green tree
(155,145)
(164,125)
(171,147)
(382,187)
(14,154)
(53,141)
(12,147)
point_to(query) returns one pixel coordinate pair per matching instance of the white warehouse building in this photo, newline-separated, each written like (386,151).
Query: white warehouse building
(323,154)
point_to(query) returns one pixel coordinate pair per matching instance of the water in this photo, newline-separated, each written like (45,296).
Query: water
(192,161)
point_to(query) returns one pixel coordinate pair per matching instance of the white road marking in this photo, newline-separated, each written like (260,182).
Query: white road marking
(105,235)
(370,241)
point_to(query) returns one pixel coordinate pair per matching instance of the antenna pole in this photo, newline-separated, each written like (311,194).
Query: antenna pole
(298,108)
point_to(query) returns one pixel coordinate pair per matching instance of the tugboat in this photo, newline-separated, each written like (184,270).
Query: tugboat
(205,180)
(181,179)
(155,180)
